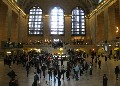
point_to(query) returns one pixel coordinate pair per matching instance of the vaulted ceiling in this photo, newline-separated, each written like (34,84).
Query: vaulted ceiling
(87,5)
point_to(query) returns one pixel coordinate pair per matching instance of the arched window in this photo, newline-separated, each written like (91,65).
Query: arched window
(57,21)
(35,21)
(78,22)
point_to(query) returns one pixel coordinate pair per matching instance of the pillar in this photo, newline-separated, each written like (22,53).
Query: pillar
(119,7)
(106,24)
(93,29)
(19,26)
(67,36)
(9,23)
(106,30)
(111,26)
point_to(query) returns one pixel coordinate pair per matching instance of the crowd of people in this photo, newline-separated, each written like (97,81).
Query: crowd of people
(77,65)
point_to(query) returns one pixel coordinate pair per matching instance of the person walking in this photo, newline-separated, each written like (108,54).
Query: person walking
(76,72)
(62,61)
(50,73)
(13,82)
(62,71)
(91,68)
(68,74)
(105,79)
(11,74)
(55,74)
(39,71)
(81,70)
(117,71)
(36,79)
(99,64)
(27,68)
(86,67)
(59,78)
(105,58)
(43,69)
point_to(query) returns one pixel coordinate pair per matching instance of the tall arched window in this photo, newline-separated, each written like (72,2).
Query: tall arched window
(35,21)
(57,21)
(78,22)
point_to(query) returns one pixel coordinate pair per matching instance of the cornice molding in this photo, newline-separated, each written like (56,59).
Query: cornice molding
(101,7)
(15,7)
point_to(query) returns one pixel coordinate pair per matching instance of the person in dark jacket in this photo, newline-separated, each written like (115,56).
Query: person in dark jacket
(105,58)
(55,74)
(105,79)
(62,71)
(117,71)
(11,74)
(81,70)
(36,79)
(39,71)
(62,61)
(68,74)
(99,64)
(86,67)
(13,82)
(27,68)
(91,70)
(50,73)
(43,69)
(59,77)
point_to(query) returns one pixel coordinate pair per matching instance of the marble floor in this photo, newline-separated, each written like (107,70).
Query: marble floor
(85,80)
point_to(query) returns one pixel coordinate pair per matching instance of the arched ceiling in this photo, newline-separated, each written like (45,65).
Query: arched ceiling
(87,5)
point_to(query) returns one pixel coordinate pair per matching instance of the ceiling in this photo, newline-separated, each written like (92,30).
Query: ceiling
(87,5)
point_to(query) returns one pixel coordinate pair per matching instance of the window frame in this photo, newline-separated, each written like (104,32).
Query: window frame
(80,22)
(57,22)
(34,21)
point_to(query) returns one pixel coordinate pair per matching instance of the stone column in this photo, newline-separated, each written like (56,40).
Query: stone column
(46,29)
(106,24)
(111,26)
(93,29)
(9,23)
(19,26)
(88,34)
(67,36)
(96,27)
(119,7)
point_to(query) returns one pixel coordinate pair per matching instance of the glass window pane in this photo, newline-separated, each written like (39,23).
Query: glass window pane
(82,13)
(78,21)
(82,17)
(82,29)
(53,32)
(60,33)
(83,26)
(35,21)
(82,20)
(57,21)
(82,23)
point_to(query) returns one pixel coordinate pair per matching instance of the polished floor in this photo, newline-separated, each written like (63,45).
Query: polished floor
(85,80)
